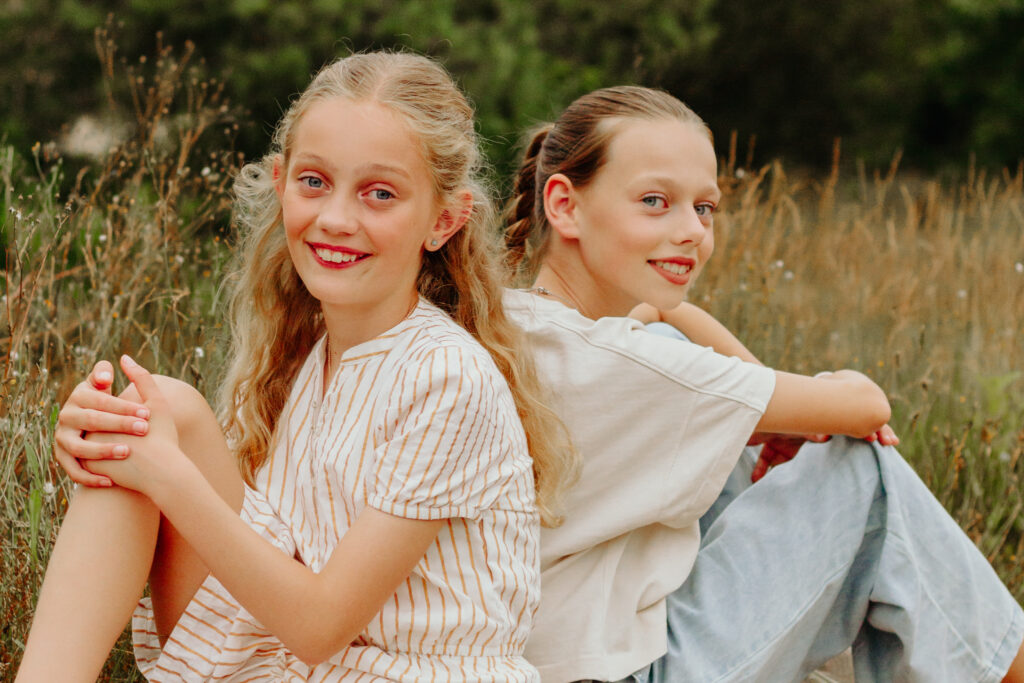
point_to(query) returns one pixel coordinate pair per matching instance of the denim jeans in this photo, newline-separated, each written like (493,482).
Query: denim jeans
(844,545)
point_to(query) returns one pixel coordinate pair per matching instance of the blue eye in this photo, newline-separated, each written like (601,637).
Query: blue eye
(654,201)
(381,195)
(312,182)
(704,209)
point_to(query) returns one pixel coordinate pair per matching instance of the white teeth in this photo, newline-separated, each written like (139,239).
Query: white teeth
(336,256)
(676,268)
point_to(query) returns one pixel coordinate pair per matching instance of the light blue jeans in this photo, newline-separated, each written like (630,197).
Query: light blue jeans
(844,545)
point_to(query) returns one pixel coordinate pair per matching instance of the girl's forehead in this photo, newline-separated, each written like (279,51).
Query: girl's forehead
(338,129)
(663,147)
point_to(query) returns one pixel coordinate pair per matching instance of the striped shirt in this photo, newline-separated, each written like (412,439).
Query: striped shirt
(417,423)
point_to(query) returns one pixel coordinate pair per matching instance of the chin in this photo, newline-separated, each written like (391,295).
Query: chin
(665,301)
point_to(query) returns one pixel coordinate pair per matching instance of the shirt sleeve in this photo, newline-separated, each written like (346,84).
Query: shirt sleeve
(660,423)
(451,439)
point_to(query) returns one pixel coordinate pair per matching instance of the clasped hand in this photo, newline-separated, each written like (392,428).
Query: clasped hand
(777,449)
(102,440)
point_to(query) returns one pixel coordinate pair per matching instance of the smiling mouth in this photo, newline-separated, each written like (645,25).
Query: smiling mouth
(674,267)
(336,258)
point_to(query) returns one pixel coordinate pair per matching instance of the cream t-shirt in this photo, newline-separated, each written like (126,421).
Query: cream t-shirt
(659,423)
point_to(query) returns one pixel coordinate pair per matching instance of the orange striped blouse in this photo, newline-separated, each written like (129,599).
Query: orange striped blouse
(418,423)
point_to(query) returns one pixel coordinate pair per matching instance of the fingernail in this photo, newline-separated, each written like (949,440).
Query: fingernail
(107,483)
(121,451)
(104,376)
(127,360)
(143,413)
(139,427)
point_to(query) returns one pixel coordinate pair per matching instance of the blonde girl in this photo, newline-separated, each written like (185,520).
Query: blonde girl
(614,206)
(371,514)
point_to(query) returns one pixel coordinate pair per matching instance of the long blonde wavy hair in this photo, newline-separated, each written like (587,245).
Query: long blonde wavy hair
(275,321)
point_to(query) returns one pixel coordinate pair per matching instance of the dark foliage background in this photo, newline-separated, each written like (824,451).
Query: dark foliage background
(937,79)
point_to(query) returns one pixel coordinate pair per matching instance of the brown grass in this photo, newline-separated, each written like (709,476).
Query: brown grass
(916,282)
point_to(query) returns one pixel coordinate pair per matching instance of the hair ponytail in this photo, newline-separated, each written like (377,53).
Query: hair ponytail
(522,241)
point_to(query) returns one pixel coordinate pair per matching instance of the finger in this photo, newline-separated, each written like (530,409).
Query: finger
(887,436)
(102,376)
(142,379)
(78,420)
(86,396)
(760,469)
(72,443)
(79,474)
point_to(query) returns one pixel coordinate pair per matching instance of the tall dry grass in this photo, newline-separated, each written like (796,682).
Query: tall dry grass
(124,253)
(917,282)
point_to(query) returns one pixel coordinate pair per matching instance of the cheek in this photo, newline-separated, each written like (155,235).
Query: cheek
(630,234)
(708,247)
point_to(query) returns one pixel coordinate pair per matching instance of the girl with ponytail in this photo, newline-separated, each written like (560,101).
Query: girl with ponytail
(613,208)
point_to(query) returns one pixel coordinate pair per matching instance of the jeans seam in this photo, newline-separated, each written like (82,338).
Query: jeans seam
(979,661)
(795,619)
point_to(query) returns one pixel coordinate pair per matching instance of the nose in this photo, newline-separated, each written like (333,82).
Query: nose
(690,228)
(339,215)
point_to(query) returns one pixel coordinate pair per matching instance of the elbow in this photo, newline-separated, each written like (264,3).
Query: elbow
(317,650)
(321,636)
(312,657)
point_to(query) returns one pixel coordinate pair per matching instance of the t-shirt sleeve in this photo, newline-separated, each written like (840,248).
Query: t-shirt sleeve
(660,422)
(450,439)
(710,404)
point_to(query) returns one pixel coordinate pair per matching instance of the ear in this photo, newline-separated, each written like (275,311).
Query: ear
(560,206)
(278,175)
(452,218)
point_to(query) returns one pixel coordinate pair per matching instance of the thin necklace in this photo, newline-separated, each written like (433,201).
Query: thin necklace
(545,292)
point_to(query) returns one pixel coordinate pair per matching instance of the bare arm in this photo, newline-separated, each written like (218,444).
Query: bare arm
(699,326)
(315,615)
(781,429)
(841,402)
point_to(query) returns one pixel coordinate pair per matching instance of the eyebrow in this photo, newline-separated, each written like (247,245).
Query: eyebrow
(365,168)
(713,190)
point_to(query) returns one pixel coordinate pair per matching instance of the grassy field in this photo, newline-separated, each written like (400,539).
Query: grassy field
(918,282)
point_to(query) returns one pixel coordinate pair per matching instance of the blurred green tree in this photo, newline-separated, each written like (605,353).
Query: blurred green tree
(936,77)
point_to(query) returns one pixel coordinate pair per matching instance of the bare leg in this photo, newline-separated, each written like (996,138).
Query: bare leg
(109,541)
(95,576)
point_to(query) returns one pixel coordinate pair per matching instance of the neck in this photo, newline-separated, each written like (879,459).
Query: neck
(348,327)
(570,282)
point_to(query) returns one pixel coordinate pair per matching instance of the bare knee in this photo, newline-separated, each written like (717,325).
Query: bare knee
(199,435)
(188,407)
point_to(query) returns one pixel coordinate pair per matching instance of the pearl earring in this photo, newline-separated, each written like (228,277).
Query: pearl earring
(433,243)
